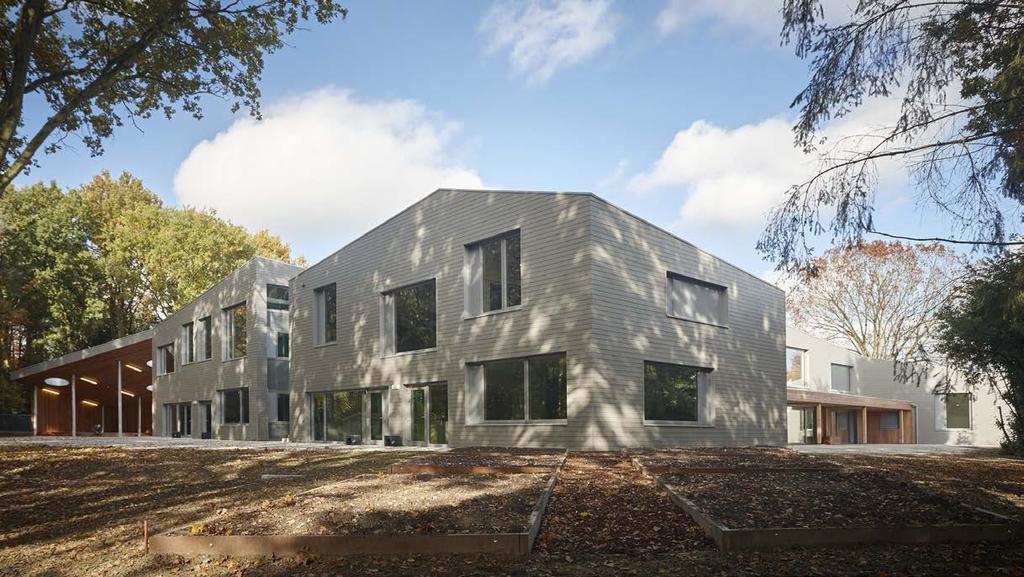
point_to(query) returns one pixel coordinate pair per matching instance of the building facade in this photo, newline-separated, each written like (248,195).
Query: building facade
(838,396)
(220,364)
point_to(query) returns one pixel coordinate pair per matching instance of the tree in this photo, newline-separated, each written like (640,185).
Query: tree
(981,333)
(95,63)
(879,298)
(957,71)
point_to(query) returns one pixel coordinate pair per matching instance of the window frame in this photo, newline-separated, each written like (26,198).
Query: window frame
(390,311)
(275,304)
(320,315)
(204,336)
(161,359)
(477,248)
(849,379)
(705,383)
(723,303)
(287,405)
(287,340)
(188,343)
(803,367)
(527,418)
(243,408)
(944,403)
(228,316)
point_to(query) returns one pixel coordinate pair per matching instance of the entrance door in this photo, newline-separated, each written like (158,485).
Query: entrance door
(376,416)
(430,415)
(206,414)
(845,425)
(180,419)
(337,416)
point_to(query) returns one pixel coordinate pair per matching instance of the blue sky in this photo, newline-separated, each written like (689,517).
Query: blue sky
(676,110)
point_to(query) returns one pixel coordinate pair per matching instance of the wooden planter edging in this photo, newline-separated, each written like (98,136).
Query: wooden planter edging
(414,469)
(513,544)
(675,470)
(729,539)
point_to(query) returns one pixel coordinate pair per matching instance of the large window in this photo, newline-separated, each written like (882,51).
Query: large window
(841,378)
(795,367)
(188,343)
(204,338)
(336,415)
(277,297)
(958,410)
(235,405)
(235,323)
(326,314)
(415,316)
(531,389)
(696,300)
(165,359)
(675,393)
(283,413)
(495,276)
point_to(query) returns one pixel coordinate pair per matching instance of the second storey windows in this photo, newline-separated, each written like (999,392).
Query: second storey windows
(165,359)
(188,343)
(409,318)
(696,300)
(493,275)
(325,314)
(204,339)
(841,378)
(235,326)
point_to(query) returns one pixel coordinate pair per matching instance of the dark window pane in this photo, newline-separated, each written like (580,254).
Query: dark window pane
(277,297)
(330,313)
(283,347)
(376,416)
(958,411)
(344,415)
(419,409)
(283,414)
(670,392)
(415,317)
(503,391)
(319,403)
(189,336)
(438,414)
(238,342)
(167,352)
(547,387)
(490,251)
(232,407)
(512,274)
(207,328)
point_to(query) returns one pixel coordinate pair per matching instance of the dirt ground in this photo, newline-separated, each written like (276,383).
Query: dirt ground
(80,512)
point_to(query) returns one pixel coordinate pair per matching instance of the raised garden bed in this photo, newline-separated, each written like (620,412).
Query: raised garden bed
(483,462)
(731,459)
(379,514)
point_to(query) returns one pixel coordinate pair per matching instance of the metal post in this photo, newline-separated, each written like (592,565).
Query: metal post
(35,410)
(120,408)
(138,428)
(74,407)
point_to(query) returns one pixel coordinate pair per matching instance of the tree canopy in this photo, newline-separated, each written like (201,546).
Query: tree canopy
(104,260)
(956,69)
(981,333)
(96,64)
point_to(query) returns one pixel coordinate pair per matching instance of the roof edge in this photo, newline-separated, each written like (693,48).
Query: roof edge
(82,354)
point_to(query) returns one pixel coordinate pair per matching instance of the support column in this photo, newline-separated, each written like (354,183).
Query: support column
(74,406)
(863,425)
(819,424)
(138,428)
(120,407)
(903,427)
(35,410)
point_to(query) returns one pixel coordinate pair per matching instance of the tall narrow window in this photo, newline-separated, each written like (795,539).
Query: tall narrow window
(696,300)
(530,389)
(204,338)
(326,314)
(235,323)
(188,343)
(415,314)
(495,274)
(283,413)
(277,297)
(165,359)
(674,393)
(958,410)
(283,348)
(235,404)
(795,363)
(841,378)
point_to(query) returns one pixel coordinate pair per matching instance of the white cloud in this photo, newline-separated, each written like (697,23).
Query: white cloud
(758,19)
(733,177)
(323,164)
(545,36)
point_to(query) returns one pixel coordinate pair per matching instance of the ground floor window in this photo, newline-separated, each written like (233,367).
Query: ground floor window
(235,406)
(800,425)
(529,389)
(958,410)
(283,413)
(674,393)
(179,419)
(337,415)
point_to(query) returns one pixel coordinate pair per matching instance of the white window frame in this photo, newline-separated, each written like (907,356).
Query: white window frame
(849,378)
(941,415)
(705,398)
(473,276)
(723,302)
(161,358)
(188,343)
(475,372)
(320,315)
(228,318)
(389,321)
(803,368)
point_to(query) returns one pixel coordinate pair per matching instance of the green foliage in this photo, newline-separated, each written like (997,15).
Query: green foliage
(956,69)
(81,267)
(981,333)
(93,64)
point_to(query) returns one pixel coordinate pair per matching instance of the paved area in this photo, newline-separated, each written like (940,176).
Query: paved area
(212,444)
(888,449)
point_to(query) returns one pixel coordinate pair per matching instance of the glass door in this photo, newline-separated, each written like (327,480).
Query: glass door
(430,415)
(337,416)
(206,410)
(376,416)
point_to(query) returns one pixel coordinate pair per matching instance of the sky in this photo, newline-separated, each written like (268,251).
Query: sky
(676,110)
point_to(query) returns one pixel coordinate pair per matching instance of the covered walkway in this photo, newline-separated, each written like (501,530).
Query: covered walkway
(102,390)
(816,417)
